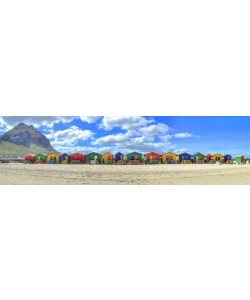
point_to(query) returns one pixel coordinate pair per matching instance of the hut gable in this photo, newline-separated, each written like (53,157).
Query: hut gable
(93,155)
(53,158)
(199,158)
(77,157)
(240,158)
(227,157)
(41,157)
(64,158)
(169,156)
(185,156)
(107,155)
(29,157)
(152,156)
(134,156)
(107,158)
(119,158)
(217,157)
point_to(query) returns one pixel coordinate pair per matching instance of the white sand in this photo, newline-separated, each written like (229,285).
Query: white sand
(101,174)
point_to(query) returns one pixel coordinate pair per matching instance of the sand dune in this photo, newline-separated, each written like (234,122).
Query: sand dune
(100,174)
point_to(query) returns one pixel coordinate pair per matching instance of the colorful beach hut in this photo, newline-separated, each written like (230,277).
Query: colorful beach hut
(119,158)
(77,158)
(29,158)
(152,158)
(228,159)
(218,157)
(134,158)
(169,158)
(94,158)
(185,158)
(52,158)
(199,158)
(40,158)
(64,158)
(240,159)
(107,158)
(209,158)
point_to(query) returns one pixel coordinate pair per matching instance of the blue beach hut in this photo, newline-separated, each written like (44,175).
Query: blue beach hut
(227,157)
(185,157)
(64,158)
(118,157)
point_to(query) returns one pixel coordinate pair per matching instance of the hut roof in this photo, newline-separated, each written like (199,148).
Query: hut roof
(52,153)
(119,153)
(134,153)
(169,152)
(185,153)
(198,153)
(107,153)
(93,153)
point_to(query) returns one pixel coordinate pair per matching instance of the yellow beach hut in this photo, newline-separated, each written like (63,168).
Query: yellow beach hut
(218,157)
(53,158)
(169,158)
(107,158)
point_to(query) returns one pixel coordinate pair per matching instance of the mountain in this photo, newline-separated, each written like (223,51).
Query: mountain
(23,139)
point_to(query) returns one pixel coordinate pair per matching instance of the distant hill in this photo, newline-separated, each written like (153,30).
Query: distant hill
(24,139)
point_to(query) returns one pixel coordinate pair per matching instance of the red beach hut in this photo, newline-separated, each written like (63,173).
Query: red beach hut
(209,157)
(29,158)
(152,156)
(77,157)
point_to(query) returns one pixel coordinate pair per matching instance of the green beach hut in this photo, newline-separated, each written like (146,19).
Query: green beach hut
(134,156)
(93,156)
(239,159)
(199,158)
(40,158)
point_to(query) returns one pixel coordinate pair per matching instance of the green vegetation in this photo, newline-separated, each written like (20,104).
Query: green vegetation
(9,148)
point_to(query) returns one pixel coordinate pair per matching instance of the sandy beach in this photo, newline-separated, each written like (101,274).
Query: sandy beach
(21,174)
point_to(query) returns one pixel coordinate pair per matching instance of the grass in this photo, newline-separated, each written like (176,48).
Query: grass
(9,148)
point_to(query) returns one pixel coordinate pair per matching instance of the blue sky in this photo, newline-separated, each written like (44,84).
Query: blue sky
(141,133)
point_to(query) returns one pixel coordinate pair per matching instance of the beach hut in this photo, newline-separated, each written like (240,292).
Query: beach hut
(40,158)
(185,158)
(134,158)
(29,158)
(94,158)
(228,159)
(77,158)
(218,157)
(152,158)
(119,158)
(64,158)
(199,158)
(209,158)
(52,158)
(169,158)
(239,159)
(107,158)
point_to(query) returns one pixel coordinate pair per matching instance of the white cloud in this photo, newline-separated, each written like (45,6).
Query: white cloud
(155,130)
(112,139)
(2,123)
(180,150)
(69,137)
(127,123)
(36,121)
(90,119)
(184,135)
